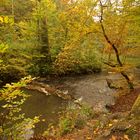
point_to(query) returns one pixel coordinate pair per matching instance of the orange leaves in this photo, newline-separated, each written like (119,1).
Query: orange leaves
(107,48)
(121,69)
(65,1)
(125,137)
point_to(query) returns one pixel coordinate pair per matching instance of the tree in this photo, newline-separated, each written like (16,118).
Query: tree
(79,51)
(42,63)
(18,8)
(114,23)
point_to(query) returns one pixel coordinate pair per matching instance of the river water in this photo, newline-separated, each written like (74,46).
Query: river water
(47,107)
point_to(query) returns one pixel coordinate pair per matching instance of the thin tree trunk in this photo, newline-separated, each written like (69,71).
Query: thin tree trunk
(45,47)
(124,74)
(44,62)
(12,8)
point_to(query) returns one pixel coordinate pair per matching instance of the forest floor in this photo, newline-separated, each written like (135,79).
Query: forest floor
(119,111)
(124,102)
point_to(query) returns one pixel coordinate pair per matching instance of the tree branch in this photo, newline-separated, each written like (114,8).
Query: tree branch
(110,64)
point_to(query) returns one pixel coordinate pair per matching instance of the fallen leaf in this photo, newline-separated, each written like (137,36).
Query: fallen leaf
(110,124)
(115,120)
(126,137)
(113,138)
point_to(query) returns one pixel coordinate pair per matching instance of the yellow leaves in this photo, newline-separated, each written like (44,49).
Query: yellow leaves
(115,121)
(110,124)
(96,131)
(121,69)
(113,138)
(50,4)
(43,120)
(125,137)
(64,1)
(1,19)
(107,48)
(88,138)
(3,47)
(6,20)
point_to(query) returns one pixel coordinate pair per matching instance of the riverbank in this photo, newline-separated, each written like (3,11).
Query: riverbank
(116,125)
(120,124)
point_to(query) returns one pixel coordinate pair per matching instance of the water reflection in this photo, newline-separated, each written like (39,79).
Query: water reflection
(48,107)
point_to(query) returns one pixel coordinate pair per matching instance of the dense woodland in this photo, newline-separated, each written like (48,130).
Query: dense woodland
(57,38)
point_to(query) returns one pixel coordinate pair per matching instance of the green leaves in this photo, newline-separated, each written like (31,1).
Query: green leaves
(3,47)
(14,123)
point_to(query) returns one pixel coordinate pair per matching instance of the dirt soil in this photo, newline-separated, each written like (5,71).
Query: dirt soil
(124,103)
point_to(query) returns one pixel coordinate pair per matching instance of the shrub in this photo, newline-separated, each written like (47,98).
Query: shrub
(77,60)
(40,68)
(13,124)
(70,119)
(66,125)
(74,118)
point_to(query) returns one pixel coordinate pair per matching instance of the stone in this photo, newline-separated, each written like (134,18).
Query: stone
(106,133)
(121,126)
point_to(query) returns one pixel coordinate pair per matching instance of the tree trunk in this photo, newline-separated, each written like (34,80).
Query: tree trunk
(44,62)
(44,40)
(129,82)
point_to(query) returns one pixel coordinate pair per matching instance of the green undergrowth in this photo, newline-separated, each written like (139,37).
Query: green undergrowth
(72,118)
